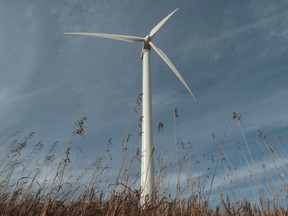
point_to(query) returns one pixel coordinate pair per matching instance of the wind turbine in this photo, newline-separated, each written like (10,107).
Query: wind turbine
(147,160)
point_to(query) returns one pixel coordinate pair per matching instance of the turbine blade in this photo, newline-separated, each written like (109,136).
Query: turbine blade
(110,36)
(173,68)
(161,23)
(142,51)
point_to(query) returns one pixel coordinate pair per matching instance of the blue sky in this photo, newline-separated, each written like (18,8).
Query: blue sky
(233,56)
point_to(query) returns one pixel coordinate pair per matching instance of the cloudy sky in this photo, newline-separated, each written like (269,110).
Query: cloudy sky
(233,56)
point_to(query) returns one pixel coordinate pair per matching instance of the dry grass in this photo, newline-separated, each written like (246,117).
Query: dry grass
(24,190)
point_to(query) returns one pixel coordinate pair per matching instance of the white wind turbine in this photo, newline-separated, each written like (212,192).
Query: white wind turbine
(147,167)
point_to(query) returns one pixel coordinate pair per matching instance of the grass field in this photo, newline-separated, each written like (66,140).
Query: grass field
(35,179)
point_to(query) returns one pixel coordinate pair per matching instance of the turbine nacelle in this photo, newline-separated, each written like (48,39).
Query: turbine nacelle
(146,44)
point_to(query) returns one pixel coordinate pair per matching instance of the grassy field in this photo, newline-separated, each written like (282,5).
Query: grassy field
(35,179)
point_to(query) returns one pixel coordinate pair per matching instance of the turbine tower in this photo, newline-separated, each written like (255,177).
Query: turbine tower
(147,159)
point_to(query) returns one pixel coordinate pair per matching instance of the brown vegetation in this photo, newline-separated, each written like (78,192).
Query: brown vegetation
(23,191)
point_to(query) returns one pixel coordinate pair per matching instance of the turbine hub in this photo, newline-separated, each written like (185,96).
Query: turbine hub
(147,39)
